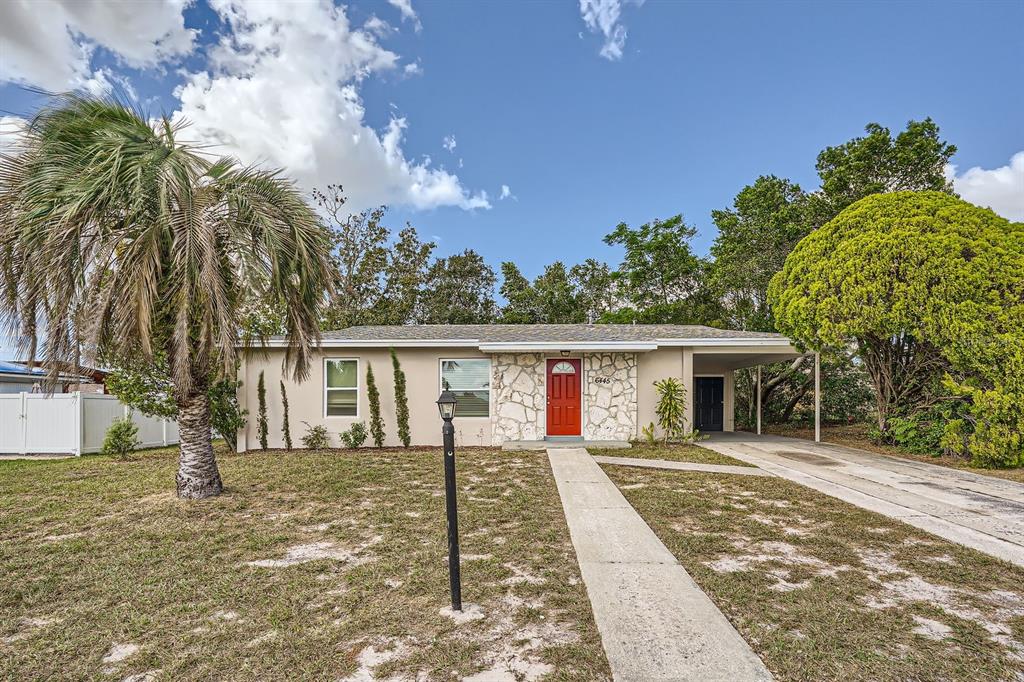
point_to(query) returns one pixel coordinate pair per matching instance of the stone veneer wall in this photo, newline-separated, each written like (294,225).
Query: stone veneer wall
(609,396)
(517,387)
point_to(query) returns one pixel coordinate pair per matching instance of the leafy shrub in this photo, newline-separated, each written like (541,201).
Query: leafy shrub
(316,437)
(671,411)
(146,387)
(355,436)
(226,417)
(921,433)
(121,439)
(648,435)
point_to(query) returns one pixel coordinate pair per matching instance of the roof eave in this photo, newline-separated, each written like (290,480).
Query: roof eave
(541,346)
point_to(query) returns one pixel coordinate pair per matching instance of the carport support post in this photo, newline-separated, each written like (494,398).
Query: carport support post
(817,397)
(759,400)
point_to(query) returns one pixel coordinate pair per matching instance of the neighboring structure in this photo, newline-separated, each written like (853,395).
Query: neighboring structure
(589,382)
(17,377)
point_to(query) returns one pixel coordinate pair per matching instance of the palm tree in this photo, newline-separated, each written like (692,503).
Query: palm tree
(128,243)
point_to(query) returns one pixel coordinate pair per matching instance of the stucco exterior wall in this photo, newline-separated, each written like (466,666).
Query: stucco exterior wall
(652,366)
(684,364)
(422,369)
(618,396)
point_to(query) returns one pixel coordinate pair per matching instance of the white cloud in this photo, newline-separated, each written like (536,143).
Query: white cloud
(602,16)
(282,88)
(11,130)
(412,69)
(449,143)
(506,193)
(1001,189)
(408,13)
(377,26)
(50,43)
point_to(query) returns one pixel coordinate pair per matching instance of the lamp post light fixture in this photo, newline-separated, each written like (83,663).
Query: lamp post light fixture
(446,406)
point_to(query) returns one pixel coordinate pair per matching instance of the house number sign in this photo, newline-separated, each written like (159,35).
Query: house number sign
(602,380)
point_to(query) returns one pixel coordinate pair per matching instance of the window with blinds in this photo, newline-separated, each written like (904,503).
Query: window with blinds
(470,381)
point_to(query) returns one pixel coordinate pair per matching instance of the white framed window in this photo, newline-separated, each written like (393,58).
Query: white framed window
(563,367)
(470,380)
(341,387)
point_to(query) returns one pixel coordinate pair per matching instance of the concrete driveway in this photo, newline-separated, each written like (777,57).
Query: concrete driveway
(981,512)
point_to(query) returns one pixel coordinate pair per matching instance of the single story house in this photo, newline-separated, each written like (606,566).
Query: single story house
(18,377)
(514,383)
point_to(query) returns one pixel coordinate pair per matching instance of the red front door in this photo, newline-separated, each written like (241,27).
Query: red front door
(563,397)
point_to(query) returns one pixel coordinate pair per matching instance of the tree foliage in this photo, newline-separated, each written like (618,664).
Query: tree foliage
(660,278)
(125,241)
(458,289)
(359,246)
(146,387)
(923,285)
(554,297)
(754,237)
(878,163)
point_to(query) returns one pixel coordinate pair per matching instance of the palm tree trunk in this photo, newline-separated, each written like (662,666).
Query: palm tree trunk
(198,476)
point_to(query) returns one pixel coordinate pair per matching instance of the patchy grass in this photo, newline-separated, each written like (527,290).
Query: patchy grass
(312,565)
(823,590)
(672,452)
(856,436)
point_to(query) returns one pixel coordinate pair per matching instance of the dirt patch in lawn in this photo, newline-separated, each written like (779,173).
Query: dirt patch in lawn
(825,590)
(313,565)
(670,452)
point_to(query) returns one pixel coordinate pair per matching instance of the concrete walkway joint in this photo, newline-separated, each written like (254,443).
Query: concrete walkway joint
(655,622)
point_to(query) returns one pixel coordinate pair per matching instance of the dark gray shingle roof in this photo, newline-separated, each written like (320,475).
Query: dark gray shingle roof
(512,333)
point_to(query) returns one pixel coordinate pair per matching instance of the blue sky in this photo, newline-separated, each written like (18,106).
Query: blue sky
(647,111)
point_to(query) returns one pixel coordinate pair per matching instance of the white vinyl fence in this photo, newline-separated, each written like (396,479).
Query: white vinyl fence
(75,423)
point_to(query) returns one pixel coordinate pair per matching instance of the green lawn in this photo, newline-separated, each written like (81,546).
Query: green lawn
(672,452)
(310,566)
(823,590)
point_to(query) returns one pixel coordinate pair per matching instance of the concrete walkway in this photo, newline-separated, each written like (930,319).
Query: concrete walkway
(655,622)
(977,511)
(682,466)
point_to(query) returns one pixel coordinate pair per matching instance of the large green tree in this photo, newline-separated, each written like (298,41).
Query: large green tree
(458,289)
(660,278)
(552,297)
(116,233)
(521,305)
(360,244)
(754,237)
(920,284)
(595,289)
(877,163)
(405,275)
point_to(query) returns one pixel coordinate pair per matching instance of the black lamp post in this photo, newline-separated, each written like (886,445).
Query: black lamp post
(446,406)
